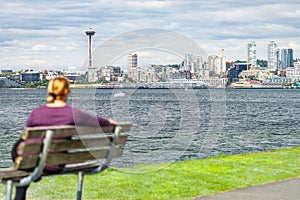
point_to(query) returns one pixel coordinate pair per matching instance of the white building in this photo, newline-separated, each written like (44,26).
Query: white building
(132,66)
(273,56)
(293,73)
(215,82)
(146,74)
(255,72)
(105,73)
(251,53)
(193,64)
(217,64)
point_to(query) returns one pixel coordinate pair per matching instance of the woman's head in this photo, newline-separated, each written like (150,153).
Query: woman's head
(58,89)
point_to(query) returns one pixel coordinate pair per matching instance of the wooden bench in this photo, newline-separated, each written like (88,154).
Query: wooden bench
(83,150)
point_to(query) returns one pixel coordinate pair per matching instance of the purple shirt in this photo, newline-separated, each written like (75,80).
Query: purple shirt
(67,115)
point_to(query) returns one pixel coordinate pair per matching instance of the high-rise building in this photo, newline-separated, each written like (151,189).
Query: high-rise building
(217,64)
(132,61)
(193,66)
(132,65)
(286,58)
(273,56)
(251,56)
(192,63)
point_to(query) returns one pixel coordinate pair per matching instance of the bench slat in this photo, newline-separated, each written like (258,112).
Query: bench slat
(12,174)
(65,158)
(65,145)
(77,157)
(26,162)
(68,131)
(74,168)
(64,131)
(78,153)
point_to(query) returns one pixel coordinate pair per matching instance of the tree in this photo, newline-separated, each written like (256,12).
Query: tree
(262,63)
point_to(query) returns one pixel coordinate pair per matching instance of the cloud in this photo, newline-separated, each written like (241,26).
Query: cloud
(42,48)
(294,46)
(33,61)
(55,29)
(149,4)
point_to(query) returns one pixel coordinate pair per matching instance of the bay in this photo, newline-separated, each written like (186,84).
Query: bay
(173,124)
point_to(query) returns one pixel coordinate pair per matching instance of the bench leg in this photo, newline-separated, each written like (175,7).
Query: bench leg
(9,186)
(79,185)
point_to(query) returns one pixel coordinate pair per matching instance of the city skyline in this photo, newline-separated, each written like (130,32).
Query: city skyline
(51,34)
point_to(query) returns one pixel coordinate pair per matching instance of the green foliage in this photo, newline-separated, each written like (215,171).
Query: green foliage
(179,180)
(8,74)
(37,84)
(262,63)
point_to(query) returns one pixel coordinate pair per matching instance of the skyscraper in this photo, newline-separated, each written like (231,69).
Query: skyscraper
(251,56)
(273,56)
(286,58)
(217,64)
(132,65)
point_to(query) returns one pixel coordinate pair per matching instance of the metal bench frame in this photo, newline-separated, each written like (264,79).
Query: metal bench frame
(38,170)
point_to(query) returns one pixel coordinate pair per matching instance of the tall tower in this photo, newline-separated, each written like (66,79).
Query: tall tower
(132,66)
(273,56)
(223,61)
(286,58)
(92,73)
(251,50)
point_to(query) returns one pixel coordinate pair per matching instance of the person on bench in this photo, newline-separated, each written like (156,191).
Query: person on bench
(57,112)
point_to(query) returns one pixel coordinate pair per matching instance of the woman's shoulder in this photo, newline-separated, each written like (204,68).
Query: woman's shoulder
(39,108)
(48,108)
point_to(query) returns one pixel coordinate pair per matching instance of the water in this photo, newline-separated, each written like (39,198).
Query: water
(171,125)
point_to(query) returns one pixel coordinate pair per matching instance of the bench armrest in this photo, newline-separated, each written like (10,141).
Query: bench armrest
(121,127)
(38,170)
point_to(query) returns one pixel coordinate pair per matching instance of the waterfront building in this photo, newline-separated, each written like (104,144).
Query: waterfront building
(278,81)
(287,59)
(109,73)
(256,73)
(214,81)
(251,54)
(105,73)
(233,73)
(293,73)
(51,74)
(30,76)
(74,76)
(273,56)
(15,77)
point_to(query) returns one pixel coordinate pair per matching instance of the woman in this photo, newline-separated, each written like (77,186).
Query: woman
(57,112)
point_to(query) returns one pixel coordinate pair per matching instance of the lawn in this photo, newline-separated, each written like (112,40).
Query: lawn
(179,180)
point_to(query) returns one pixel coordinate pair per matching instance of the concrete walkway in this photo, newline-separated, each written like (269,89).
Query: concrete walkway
(282,190)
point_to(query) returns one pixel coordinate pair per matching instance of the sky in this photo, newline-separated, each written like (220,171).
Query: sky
(51,34)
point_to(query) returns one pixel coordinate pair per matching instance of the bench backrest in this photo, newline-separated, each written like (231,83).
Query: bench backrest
(70,144)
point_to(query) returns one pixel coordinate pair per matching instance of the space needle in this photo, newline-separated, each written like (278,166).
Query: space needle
(92,74)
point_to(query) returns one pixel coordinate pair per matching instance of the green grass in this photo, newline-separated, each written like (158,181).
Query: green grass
(180,180)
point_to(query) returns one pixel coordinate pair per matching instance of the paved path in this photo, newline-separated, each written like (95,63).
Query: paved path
(282,190)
